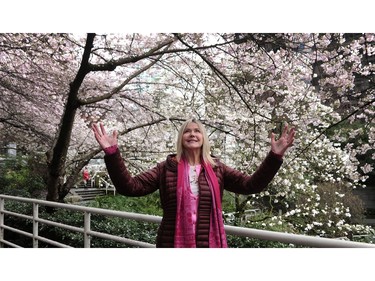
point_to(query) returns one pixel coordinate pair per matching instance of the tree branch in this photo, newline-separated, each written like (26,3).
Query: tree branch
(323,131)
(111,65)
(222,77)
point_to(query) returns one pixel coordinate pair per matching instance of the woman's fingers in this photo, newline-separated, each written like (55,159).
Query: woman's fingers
(115,134)
(96,129)
(101,136)
(272,137)
(285,131)
(291,136)
(102,129)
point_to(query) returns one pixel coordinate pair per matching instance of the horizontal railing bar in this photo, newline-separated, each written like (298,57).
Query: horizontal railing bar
(17,215)
(98,234)
(288,238)
(58,224)
(9,243)
(27,234)
(121,239)
(81,230)
(106,212)
(52,242)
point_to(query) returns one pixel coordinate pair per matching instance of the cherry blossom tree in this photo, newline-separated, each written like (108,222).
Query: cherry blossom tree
(267,94)
(242,87)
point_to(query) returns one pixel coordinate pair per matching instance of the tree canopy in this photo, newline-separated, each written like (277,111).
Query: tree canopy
(241,86)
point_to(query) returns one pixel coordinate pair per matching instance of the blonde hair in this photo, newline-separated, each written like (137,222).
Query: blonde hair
(205,151)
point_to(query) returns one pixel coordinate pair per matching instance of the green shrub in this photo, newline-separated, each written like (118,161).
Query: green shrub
(149,204)
(22,176)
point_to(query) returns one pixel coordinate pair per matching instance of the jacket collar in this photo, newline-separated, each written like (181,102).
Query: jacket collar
(171,163)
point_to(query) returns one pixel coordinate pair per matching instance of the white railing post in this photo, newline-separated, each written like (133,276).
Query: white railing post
(1,221)
(35,224)
(86,229)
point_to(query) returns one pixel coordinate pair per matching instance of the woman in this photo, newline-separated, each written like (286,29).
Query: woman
(191,184)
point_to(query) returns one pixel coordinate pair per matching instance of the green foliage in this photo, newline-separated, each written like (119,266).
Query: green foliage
(334,211)
(355,134)
(20,176)
(19,223)
(228,203)
(149,204)
(139,231)
(259,220)
(246,242)
(337,209)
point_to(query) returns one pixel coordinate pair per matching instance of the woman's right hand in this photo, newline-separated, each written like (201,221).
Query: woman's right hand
(102,138)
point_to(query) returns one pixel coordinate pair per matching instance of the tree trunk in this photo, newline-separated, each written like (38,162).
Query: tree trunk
(56,158)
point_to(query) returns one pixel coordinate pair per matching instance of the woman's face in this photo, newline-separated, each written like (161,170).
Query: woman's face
(192,138)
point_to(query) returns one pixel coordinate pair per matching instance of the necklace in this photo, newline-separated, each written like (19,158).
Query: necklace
(193,178)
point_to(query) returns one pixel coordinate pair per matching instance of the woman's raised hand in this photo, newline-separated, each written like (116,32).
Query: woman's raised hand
(102,138)
(286,140)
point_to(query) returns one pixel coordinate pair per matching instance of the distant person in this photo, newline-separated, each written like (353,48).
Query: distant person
(85,176)
(191,184)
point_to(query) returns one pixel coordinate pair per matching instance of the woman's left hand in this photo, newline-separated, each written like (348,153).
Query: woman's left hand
(286,140)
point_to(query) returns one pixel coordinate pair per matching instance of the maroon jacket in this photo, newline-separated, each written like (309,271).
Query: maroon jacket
(164,178)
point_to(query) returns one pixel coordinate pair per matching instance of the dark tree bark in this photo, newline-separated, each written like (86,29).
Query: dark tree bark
(56,157)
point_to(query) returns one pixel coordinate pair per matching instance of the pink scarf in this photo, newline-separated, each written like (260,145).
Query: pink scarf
(184,233)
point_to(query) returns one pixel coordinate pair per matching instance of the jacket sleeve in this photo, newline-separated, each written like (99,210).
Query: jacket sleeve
(241,183)
(125,184)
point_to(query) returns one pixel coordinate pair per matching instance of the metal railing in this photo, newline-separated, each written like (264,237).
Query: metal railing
(108,186)
(88,233)
(99,181)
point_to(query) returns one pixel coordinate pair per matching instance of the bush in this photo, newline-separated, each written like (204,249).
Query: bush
(333,212)
(21,176)
(149,204)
